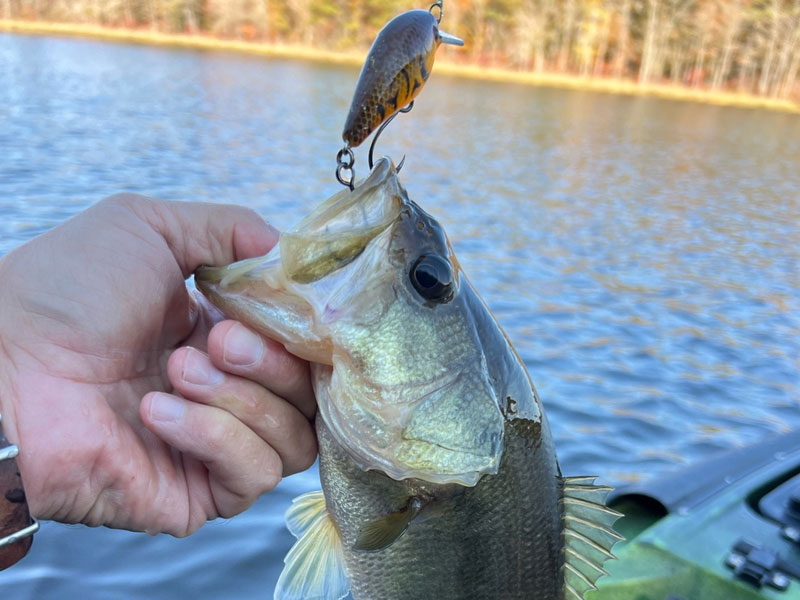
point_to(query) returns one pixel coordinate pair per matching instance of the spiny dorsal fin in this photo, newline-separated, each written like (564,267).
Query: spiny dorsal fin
(588,534)
(314,567)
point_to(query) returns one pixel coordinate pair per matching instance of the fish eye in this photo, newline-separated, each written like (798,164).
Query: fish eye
(432,277)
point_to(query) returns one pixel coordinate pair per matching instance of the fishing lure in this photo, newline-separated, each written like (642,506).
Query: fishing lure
(397,67)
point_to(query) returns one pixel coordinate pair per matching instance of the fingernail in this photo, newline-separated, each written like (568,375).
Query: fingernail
(242,347)
(198,370)
(166,408)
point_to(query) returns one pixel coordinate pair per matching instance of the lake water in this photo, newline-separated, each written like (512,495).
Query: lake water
(642,254)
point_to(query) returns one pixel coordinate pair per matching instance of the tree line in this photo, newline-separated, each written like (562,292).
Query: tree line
(750,46)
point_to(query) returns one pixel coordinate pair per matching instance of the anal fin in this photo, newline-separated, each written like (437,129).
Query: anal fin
(314,567)
(588,534)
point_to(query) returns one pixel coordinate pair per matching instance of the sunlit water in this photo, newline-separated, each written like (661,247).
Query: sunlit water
(642,254)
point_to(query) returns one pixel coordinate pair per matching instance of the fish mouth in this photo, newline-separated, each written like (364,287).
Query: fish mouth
(337,231)
(295,292)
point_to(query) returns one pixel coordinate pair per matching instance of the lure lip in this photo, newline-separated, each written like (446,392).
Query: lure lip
(448,38)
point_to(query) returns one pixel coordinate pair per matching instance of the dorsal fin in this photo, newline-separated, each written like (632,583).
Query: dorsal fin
(588,534)
(314,567)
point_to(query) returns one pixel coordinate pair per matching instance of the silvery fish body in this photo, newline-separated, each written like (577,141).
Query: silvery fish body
(438,470)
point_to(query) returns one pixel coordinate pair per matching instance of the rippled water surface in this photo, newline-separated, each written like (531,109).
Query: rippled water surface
(641,254)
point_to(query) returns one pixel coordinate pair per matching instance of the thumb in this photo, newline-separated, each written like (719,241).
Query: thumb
(201,233)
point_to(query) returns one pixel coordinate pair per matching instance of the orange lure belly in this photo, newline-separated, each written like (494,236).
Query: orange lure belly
(396,68)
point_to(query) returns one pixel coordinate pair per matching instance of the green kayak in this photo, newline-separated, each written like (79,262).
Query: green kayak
(725,529)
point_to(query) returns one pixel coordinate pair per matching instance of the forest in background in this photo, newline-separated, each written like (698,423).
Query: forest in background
(748,46)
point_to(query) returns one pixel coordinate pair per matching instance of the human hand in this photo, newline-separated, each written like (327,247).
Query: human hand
(130,407)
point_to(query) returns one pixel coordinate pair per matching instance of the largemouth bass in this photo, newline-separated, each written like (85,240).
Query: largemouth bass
(439,476)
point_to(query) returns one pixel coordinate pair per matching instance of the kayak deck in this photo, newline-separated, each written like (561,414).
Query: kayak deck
(689,532)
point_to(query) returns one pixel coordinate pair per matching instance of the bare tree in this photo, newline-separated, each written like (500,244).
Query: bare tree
(607,17)
(567,31)
(651,31)
(789,40)
(772,25)
(623,41)
(732,16)
(750,45)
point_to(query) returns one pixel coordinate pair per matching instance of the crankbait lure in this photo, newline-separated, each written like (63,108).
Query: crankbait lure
(397,67)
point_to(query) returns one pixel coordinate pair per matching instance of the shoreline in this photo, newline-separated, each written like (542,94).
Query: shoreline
(501,75)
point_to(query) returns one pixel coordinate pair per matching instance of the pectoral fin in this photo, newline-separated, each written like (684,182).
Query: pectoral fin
(314,567)
(383,532)
(588,534)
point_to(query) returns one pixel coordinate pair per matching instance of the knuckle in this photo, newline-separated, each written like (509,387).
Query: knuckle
(123,201)
(288,369)
(115,200)
(303,451)
(227,511)
(271,475)
(308,454)
(276,430)
(218,438)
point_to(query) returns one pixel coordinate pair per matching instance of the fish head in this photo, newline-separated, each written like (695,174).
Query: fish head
(367,287)
(317,274)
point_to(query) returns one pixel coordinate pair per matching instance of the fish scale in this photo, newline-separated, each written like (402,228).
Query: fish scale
(387,364)
(488,544)
(439,476)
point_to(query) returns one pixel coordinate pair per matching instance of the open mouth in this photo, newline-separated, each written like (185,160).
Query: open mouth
(337,231)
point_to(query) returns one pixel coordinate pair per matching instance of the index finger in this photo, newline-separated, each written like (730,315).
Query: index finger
(199,233)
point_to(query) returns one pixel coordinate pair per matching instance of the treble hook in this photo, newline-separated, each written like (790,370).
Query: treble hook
(380,130)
